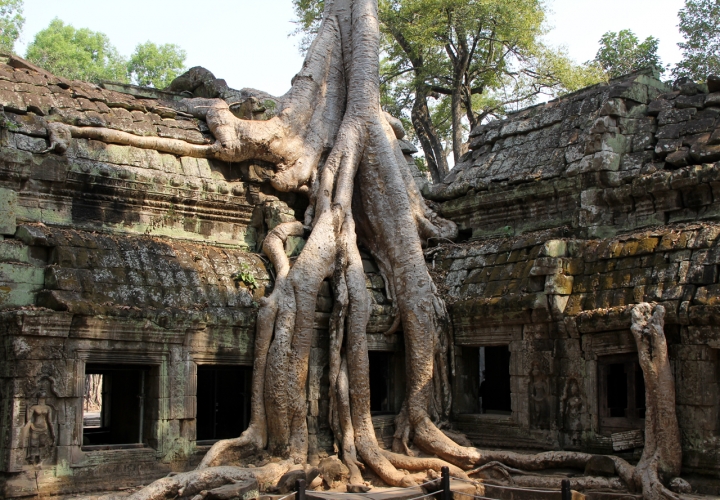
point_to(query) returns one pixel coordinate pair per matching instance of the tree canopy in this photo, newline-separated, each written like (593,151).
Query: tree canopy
(156,66)
(622,52)
(11,23)
(700,26)
(79,54)
(82,54)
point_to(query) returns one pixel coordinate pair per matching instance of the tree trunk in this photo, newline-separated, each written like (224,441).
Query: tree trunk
(427,135)
(662,456)
(420,114)
(456,109)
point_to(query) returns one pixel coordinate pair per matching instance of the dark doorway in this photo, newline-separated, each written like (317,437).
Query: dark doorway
(119,410)
(495,379)
(223,401)
(379,382)
(621,392)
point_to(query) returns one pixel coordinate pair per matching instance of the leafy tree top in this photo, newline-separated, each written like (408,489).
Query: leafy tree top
(11,23)
(79,54)
(700,26)
(621,53)
(156,66)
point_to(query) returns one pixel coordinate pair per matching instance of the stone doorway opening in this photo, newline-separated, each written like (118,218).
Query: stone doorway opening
(621,393)
(114,407)
(379,382)
(494,375)
(223,401)
(387,382)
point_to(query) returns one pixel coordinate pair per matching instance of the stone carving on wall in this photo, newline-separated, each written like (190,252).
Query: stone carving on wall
(38,435)
(539,395)
(571,408)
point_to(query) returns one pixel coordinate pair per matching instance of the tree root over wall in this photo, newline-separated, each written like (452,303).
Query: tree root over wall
(330,141)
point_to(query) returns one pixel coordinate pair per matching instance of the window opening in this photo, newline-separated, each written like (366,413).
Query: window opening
(621,392)
(114,405)
(223,401)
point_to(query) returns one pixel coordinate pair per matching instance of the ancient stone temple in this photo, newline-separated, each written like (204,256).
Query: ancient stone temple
(139,273)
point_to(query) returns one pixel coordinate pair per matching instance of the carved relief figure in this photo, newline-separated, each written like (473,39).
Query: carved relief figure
(38,434)
(539,395)
(571,411)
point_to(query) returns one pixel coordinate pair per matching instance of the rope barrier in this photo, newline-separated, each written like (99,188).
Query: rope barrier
(444,492)
(426,496)
(429,482)
(471,495)
(516,488)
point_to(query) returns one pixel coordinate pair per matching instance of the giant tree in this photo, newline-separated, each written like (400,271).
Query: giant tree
(331,142)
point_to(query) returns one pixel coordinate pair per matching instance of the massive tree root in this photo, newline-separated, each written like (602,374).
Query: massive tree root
(330,141)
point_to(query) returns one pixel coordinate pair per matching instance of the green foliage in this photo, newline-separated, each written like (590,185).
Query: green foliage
(559,70)
(421,164)
(156,66)
(270,107)
(308,17)
(246,276)
(78,54)
(622,53)
(11,23)
(700,26)
(507,65)
(82,54)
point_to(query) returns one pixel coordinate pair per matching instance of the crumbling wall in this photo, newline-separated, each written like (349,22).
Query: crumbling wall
(611,158)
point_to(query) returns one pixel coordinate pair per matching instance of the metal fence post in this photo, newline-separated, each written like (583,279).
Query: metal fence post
(445,494)
(565,493)
(300,484)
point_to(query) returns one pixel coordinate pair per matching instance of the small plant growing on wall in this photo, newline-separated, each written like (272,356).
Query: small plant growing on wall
(246,277)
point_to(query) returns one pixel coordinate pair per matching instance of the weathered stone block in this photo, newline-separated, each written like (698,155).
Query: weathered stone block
(671,131)
(698,196)
(697,335)
(707,295)
(559,284)
(697,417)
(546,265)
(606,160)
(21,274)
(690,101)
(8,209)
(658,105)
(668,116)
(554,248)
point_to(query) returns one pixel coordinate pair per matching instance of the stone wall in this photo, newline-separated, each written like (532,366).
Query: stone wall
(564,302)
(610,158)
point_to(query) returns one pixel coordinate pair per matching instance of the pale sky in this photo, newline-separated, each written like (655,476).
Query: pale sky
(247,43)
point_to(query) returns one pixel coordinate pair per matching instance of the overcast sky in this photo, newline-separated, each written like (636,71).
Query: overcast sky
(247,43)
